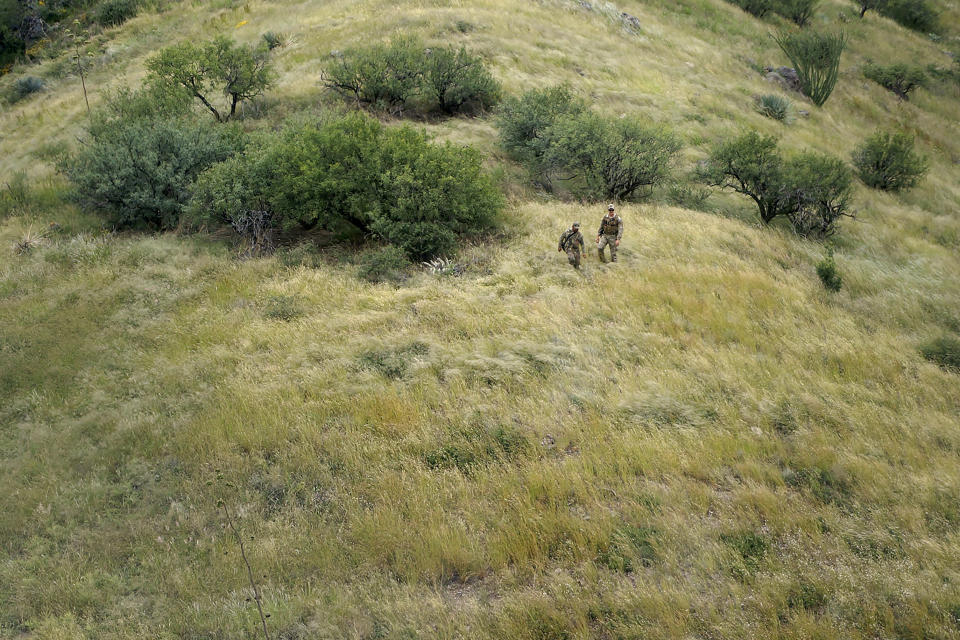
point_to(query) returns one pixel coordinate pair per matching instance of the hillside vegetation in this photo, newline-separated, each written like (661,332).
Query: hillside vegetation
(699,441)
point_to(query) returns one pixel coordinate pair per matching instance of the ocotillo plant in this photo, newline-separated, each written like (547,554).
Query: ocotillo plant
(816,57)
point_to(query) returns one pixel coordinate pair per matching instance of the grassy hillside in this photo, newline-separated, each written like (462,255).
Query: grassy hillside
(697,442)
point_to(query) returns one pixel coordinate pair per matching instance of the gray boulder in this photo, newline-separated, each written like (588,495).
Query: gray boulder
(786,77)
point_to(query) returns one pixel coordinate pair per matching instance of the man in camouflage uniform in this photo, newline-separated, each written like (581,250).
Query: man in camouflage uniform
(609,234)
(572,242)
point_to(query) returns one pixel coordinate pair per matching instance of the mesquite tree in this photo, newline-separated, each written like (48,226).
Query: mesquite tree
(203,70)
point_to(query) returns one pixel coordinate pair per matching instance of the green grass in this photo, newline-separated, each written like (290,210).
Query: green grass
(699,441)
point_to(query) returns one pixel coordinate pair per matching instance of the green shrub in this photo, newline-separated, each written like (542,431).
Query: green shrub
(800,11)
(750,165)
(459,81)
(354,176)
(140,159)
(758,8)
(828,274)
(26,86)
(111,13)
(816,57)
(523,124)
(812,190)
(610,158)
(552,133)
(218,67)
(390,77)
(899,78)
(384,77)
(887,161)
(432,195)
(387,264)
(231,192)
(918,15)
(820,187)
(774,106)
(944,351)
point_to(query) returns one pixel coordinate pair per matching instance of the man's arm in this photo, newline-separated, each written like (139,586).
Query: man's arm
(620,229)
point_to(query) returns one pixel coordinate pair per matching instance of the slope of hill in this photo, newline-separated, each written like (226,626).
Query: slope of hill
(696,442)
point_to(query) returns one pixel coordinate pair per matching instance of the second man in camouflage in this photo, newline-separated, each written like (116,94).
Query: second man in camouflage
(609,234)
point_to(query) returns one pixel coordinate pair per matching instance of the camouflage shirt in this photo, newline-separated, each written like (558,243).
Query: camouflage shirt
(571,240)
(611,226)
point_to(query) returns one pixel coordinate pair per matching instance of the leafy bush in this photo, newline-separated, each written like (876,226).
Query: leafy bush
(352,175)
(610,158)
(26,86)
(828,274)
(758,8)
(383,77)
(751,165)
(899,78)
(888,162)
(918,15)
(811,189)
(140,159)
(821,188)
(459,81)
(800,11)
(231,193)
(431,195)
(816,57)
(524,122)
(217,67)
(551,132)
(944,351)
(111,13)
(774,106)
(387,264)
(389,76)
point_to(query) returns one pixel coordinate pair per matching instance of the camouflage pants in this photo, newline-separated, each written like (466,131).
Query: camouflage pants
(573,255)
(607,241)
